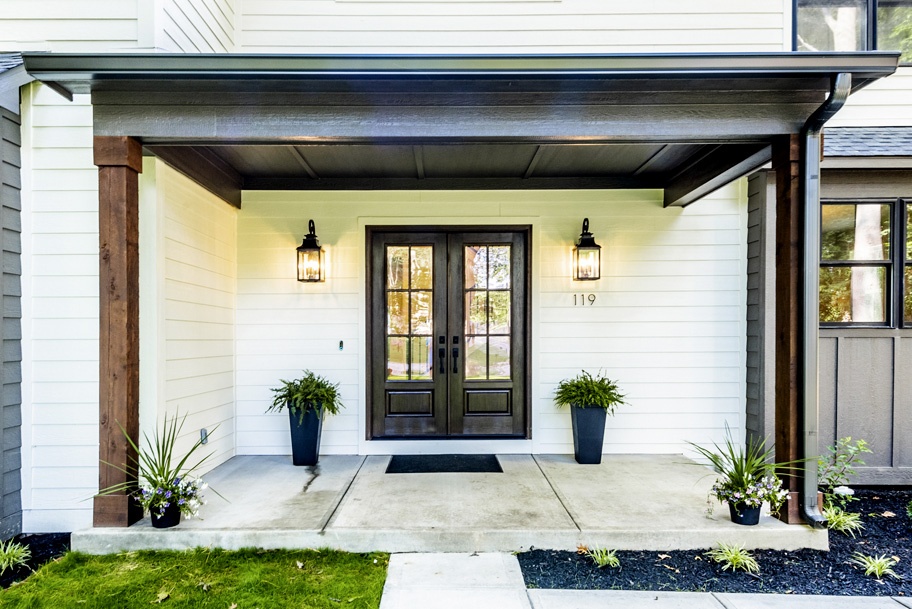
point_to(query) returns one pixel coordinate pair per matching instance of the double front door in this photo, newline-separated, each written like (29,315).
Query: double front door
(447,333)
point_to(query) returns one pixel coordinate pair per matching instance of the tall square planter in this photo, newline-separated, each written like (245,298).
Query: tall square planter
(305,437)
(588,434)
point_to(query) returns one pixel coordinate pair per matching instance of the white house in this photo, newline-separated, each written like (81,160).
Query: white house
(196,139)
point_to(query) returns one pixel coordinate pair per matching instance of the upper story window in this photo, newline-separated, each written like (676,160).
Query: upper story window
(866,263)
(854,25)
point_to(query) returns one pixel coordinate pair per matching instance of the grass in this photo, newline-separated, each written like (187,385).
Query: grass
(206,578)
(733,557)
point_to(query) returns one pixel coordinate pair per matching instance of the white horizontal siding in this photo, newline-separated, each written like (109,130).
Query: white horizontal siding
(67,25)
(197,26)
(196,240)
(667,322)
(60,304)
(568,26)
(885,103)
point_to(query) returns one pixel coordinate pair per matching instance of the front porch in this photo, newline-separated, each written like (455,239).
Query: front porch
(629,502)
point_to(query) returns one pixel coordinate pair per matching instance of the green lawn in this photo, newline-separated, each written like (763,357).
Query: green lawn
(244,579)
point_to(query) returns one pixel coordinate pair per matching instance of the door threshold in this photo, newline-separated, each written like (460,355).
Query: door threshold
(514,446)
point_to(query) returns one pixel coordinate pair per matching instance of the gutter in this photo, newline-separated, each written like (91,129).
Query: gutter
(811,153)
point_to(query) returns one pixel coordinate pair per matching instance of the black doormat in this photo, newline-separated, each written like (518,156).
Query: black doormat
(444,464)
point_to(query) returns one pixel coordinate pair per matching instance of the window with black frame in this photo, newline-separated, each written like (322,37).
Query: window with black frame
(856,270)
(907,299)
(848,25)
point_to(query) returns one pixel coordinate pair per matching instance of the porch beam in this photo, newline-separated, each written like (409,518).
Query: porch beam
(206,169)
(786,157)
(119,161)
(721,166)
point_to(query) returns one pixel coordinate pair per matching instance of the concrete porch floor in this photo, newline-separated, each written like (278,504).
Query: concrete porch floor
(629,502)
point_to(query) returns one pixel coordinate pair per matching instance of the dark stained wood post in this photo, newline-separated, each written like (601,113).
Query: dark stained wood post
(119,161)
(789,265)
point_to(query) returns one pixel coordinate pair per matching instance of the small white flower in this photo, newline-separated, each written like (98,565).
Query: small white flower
(843,490)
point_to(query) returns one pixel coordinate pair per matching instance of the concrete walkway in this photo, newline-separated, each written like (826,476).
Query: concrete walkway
(628,502)
(444,581)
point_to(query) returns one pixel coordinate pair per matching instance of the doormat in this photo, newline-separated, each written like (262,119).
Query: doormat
(444,464)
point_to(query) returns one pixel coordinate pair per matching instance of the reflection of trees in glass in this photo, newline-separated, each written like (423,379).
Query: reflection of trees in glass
(850,233)
(894,30)
(908,297)
(838,26)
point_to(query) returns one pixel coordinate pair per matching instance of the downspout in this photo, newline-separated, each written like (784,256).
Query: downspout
(811,152)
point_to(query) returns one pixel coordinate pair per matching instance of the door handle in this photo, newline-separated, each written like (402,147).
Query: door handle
(441,355)
(455,358)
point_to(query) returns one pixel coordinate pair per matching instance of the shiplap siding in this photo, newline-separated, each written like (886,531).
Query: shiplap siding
(197,26)
(198,275)
(60,312)
(567,26)
(11,293)
(68,25)
(668,322)
(885,103)
(761,305)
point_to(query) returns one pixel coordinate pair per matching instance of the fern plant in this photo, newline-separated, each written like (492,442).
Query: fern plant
(309,392)
(588,391)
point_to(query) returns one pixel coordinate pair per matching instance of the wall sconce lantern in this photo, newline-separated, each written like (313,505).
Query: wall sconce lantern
(587,256)
(311,262)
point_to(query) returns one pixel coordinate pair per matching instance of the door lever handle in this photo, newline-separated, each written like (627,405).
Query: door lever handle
(441,355)
(455,358)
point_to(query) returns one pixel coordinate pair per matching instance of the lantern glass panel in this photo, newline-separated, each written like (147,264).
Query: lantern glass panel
(587,263)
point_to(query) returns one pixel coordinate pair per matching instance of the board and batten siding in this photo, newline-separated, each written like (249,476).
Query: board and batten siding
(11,292)
(188,273)
(197,26)
(60,312)
(667,323)
(563,26)
(69,25)
(885,103)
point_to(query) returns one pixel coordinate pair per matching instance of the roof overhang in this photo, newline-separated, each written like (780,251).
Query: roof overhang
(685,123)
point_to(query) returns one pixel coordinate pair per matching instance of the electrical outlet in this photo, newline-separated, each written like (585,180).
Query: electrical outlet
(204,436)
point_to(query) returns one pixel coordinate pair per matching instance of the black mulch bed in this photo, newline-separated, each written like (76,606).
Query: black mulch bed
(800,572)
(44,546)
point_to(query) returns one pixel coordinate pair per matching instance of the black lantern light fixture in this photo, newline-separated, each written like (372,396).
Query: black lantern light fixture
(587,256)
(311,262)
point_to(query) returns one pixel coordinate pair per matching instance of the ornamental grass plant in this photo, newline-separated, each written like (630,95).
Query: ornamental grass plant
(164,478)
(747,475)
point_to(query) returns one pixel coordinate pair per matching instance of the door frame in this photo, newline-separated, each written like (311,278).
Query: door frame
(526,333)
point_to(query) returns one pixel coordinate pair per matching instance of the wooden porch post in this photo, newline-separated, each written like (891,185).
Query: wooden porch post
(119,161)
(789,264)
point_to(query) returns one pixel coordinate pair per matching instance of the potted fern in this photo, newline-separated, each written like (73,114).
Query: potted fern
(591,399)
(307,399)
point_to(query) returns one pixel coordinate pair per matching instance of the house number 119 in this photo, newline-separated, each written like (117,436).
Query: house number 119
(580,300)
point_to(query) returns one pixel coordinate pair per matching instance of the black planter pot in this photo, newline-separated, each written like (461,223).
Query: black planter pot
(744,514)
(588,434)
(171,517)
(305,437)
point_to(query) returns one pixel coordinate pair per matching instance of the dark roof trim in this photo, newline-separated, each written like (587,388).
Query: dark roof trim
(76,72)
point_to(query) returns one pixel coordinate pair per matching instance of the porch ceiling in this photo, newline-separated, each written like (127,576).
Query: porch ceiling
(687,124)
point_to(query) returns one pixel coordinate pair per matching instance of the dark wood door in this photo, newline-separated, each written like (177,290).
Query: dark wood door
(448,333)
